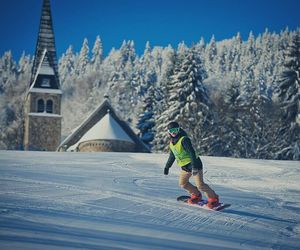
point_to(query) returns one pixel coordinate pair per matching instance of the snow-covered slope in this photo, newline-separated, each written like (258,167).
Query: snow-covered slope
(123,201)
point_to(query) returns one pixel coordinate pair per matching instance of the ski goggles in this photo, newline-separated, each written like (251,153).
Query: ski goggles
(173,130)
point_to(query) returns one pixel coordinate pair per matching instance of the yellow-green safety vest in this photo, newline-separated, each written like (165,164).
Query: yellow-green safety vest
(182,157)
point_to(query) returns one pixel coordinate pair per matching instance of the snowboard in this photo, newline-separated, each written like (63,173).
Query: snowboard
(202,203)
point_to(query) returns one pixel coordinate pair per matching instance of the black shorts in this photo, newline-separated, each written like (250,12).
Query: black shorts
(189,167)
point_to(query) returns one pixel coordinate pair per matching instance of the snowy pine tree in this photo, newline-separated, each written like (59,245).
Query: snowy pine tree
(122,81)
(145,71)
(97,55)
(289,94)
(83,60)
(211,55)
(66,71)
(13,85)
(146,121)
(289,83)
(24,65)
(187,99)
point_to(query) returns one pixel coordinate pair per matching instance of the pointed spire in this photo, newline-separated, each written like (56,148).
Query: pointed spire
(45,42)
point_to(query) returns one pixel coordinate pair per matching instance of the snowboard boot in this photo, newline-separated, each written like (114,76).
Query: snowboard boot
(212,202)
(195,199)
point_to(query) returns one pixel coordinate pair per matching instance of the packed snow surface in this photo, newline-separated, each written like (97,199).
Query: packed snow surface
(123,201)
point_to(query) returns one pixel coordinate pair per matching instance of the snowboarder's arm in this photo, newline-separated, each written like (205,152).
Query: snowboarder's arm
(170,160)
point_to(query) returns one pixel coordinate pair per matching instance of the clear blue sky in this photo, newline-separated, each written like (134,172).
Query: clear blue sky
(161,22)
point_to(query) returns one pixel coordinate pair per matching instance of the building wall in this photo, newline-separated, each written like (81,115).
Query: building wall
(42,130)
(106,146)
(43,133)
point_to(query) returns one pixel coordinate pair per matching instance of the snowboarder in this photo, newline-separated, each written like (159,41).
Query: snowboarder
(182,150)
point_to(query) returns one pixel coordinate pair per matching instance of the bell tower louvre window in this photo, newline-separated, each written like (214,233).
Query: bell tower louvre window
(46,83)
(49,106)
(40,106)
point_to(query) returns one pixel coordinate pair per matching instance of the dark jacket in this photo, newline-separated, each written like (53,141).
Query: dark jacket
(188,147)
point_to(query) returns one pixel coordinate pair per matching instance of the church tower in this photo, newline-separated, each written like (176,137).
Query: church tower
(43,99)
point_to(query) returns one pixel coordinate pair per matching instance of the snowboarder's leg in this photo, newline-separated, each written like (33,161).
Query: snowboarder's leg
(203,187)
(185,184)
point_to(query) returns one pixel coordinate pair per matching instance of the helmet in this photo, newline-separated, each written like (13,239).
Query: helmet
(173,125)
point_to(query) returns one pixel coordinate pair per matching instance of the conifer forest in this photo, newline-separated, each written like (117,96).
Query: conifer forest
(238,97)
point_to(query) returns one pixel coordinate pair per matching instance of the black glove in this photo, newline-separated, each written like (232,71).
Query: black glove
(166,171)
(195,171)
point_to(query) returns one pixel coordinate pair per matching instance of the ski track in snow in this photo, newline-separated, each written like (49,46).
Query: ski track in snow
(123,201)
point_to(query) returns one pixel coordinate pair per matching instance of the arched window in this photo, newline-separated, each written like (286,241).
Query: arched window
(40,106)
(49,107)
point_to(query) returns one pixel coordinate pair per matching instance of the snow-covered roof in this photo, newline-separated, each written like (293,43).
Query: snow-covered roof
(46,70)
(44,90)
(44,114)
(106,129)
